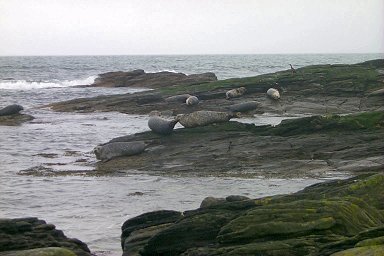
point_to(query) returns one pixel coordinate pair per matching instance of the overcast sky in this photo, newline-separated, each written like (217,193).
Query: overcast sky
(100,27)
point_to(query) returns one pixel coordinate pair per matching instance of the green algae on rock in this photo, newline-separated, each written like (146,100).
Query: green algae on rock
(16,119)
(47,251)
(327,218)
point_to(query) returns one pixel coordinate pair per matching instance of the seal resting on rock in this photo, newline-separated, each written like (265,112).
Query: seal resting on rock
(109,151)
(244,106)
(192,100)
(11,110)
(273,93)
(203,117)
(161,125)
(178,98)
(235,92)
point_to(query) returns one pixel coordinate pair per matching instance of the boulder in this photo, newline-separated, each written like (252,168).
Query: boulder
(32,236)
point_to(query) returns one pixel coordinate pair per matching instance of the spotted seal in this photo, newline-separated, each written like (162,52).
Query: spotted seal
(10,110)
(244,106)
(112,150)
(192,100)
(273,93)
(235,93)
(161,125)
(204,117)
(178,98)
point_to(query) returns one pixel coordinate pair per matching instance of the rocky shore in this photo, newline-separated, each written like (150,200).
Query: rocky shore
(342,134)
(320,89)
(307,147)
(337,218)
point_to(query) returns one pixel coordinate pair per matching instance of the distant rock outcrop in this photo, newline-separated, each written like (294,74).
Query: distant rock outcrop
(139,78)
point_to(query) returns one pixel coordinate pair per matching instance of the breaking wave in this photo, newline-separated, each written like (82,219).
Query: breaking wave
(29,85)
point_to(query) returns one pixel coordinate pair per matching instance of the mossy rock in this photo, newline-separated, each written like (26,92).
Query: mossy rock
(48,251)
(14,120)
(374,250)
(322,219)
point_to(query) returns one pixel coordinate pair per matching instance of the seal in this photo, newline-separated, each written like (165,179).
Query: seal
(192,100)
(112,150)
(235,92)
(204,117)
(161,125)
(244,106)
(10,110)
(273,94)
(178,98)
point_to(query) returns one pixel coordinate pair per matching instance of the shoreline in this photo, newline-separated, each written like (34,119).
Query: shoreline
(317,143)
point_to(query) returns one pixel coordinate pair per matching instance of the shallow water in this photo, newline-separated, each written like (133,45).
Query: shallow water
(93,209)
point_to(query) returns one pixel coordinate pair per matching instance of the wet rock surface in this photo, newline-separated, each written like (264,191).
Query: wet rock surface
(15,119)
(32,236)
(332,218)
(308,147)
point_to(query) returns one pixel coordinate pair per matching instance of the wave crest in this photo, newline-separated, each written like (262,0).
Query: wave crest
(29,85)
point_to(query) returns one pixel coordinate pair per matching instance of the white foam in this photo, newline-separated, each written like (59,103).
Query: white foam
(27,85)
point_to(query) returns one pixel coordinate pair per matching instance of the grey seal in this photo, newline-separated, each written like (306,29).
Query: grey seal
(192,100)
(244,106)
(235,92)
(112,150)
(203,117)
(178,98)
(161,125)
(10,110)
(273,93)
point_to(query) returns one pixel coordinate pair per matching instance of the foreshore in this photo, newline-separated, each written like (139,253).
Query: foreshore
(342,134)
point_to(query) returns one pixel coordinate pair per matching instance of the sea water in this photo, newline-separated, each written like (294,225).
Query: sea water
(93,208)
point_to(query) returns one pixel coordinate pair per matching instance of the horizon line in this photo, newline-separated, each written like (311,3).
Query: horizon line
(186,54)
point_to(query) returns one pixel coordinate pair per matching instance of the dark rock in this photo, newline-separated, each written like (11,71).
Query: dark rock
(137,231)
(138,78)
(211,201)
(19,236)
(335,216)
(304,147)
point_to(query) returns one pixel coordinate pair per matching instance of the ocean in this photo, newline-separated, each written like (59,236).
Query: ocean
(93,208)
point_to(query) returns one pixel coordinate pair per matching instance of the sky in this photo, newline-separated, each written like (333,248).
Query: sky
(124,27)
